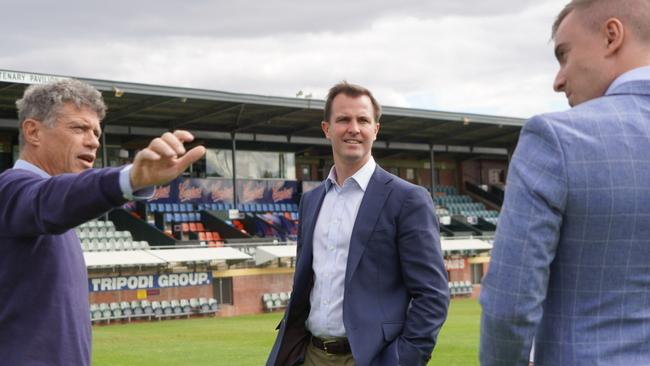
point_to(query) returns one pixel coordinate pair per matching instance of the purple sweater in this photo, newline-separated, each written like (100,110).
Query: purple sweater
(44,311)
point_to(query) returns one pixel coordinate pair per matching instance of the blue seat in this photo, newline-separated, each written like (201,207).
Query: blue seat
(185,217)
(169,217)
(152,207)
(168,207)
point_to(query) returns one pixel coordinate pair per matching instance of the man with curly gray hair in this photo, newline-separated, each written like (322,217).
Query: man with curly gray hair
(51,189)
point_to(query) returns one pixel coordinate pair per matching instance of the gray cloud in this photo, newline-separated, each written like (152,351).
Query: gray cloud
(471,56)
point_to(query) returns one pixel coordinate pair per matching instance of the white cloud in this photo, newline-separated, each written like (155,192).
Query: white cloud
(478,58)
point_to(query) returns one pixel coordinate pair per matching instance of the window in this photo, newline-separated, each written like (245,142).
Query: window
(116,156)
(410,173)
(477,272)
(222,288)
(251,164)
(305,171)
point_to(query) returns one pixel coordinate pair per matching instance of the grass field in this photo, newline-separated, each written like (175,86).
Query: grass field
(246,340)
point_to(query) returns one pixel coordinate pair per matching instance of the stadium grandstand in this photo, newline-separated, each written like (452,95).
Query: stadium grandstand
(221,239)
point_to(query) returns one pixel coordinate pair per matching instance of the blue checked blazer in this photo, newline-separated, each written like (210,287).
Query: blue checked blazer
(571,260)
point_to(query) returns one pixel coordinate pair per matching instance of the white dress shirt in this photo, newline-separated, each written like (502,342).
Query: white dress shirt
(330,245)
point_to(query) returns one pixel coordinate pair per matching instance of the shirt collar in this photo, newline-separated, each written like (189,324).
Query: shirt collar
(362,176)
(25,165)
(640,73)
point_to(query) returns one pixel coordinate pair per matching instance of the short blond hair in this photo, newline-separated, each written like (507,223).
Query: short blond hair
(635,14)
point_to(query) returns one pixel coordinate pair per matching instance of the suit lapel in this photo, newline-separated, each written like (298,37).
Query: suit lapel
(371,205)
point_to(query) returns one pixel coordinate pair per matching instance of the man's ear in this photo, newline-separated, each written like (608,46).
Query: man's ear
(615,35)
(325,126)
(31,129)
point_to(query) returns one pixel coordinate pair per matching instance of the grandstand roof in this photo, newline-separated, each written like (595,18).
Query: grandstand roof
(452,245)
(132,258)
(142,109)
(268,253)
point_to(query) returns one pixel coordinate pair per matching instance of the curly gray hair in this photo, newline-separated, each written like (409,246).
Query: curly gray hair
(43,102)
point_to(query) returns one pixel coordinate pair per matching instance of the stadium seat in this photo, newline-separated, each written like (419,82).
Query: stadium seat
(194,303)
(95,312)
(106,311)
(166,307)
(156,308)
(176,307)
(185,305)
(203,303)
(126,308)
(147,307)
(136,308)
(212,303)
(269,305)
(115,310)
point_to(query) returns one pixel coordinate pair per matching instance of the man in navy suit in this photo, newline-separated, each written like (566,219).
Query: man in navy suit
(44,317)
(570,265)
(370,286)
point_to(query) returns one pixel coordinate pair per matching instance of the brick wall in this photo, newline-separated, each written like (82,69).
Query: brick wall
(248,291)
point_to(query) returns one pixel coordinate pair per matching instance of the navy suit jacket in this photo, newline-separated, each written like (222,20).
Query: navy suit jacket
(396,291)
(571,260)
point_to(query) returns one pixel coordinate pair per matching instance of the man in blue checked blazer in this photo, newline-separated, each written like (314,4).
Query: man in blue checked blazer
(370,288)
(571,260)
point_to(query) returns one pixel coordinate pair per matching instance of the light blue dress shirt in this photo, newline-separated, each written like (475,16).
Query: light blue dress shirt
(125,181)
(640,73)
(331,244)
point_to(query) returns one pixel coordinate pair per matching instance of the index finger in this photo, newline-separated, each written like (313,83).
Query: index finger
(183,136)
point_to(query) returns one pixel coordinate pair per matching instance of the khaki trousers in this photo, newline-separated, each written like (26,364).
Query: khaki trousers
(317,357)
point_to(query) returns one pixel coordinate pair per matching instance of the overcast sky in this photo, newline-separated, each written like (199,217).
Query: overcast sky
(478,56)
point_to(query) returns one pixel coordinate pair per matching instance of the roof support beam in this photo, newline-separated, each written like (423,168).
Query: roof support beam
(136,107)
(207,112)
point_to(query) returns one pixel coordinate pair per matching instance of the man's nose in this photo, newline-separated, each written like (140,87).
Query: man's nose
(353,127)
(92,141)
(559,82)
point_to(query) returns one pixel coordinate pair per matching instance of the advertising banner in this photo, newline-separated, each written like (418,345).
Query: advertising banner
(155,281)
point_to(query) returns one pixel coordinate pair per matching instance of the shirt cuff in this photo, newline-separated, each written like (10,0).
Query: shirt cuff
(127,191)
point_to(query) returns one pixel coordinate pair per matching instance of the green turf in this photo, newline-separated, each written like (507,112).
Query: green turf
(246,340)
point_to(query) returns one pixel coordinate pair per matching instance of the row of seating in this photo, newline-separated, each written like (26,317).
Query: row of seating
(276,300)
(246,207)
(95,233)
(477,213)
(460,288)
(447,190)
(446,199)
(465,206)
(154,309)
(170,207)
(97,224)
(181,217)
(268,207)
(109,245)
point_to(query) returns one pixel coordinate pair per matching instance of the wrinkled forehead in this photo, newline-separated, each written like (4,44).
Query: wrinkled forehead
(69,113)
